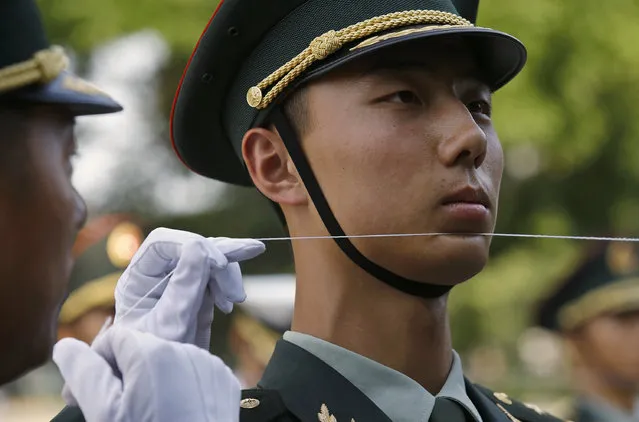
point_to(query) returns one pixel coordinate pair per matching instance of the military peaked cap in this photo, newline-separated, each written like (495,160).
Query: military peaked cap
(605,282)
(33,71)
(253,53)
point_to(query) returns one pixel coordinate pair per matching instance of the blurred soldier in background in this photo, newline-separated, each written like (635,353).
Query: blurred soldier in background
(259,322)
(596,311)
(104,249)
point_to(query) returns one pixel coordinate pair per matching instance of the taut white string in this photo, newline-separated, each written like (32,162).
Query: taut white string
(275,239)
(538,236)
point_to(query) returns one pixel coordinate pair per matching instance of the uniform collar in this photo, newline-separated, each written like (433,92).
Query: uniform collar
(399,397)
(309,387)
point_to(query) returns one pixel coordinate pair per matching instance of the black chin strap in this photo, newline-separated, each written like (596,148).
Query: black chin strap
(294,148)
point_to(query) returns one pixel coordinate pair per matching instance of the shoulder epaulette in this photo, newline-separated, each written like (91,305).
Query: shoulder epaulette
(518,411)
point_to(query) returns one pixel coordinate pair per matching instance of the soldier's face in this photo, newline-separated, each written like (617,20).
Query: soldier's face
(404,143)
(40,214)
(607,346)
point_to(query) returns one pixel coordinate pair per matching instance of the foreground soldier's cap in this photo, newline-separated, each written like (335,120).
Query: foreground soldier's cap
(266,314)
(253,53)
(33,71)
(103,249)
(606,282)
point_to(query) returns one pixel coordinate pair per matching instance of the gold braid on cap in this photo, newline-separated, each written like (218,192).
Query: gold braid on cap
(331,41)
(44,67)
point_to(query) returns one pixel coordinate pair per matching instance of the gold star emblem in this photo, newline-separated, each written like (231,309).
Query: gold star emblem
(535,408)
(325,416)
(503,397)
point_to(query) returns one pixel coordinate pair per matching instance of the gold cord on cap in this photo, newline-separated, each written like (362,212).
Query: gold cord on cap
(331,41)
(44,67)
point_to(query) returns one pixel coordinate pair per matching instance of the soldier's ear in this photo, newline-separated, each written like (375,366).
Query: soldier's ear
(573,349)
(271,167)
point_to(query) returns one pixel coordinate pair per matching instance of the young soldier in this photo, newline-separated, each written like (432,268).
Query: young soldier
(360,117)
(596,311)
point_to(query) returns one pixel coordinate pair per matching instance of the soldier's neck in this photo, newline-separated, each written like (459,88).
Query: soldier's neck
(344,305)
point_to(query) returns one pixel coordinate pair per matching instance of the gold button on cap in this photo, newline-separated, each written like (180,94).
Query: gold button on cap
(254,97)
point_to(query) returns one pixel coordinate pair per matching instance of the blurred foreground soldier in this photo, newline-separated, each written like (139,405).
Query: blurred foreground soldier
(104,247)
(40,211)
(596,311)
(259,322)
(40,215)
(360,117)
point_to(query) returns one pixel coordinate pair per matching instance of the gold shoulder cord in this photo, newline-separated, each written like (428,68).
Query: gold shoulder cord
(331,41)
(44,67)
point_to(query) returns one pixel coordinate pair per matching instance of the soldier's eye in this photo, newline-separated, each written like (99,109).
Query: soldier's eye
(405,97)
(481,107)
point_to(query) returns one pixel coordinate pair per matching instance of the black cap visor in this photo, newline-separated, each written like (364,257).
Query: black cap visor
(68,90)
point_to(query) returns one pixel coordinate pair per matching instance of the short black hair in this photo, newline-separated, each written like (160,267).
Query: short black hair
(296,109)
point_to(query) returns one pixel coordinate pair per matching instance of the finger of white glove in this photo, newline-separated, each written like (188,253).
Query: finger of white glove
(89,378)
(204,321)
(238,250)
(224,289)
(159,251)
(227,287)
(177,310)
(155,259)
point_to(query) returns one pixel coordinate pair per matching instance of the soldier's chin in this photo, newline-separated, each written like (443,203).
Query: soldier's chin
(449,261)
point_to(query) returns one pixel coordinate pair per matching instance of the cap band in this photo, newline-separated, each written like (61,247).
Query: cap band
(331,41)
(96,293)
(619,297)
(45,66)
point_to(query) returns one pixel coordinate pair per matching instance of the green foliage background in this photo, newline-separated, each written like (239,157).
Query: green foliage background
(574,108)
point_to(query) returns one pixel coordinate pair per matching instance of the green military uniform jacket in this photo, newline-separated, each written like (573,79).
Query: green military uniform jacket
(588,410)
(297,386)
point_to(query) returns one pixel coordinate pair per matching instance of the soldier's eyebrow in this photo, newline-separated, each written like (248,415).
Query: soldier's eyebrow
(386,64)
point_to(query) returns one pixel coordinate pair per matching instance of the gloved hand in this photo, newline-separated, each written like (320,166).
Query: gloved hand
(175,280)
(130,376)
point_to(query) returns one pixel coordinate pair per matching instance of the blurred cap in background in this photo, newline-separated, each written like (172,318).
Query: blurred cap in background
(259,322)
(605,282)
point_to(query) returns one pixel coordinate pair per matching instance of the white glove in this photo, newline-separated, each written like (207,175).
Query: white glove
(176,267)
(160,380)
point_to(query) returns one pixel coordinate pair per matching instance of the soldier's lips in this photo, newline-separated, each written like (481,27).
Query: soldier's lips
(468,203)
(467,211)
